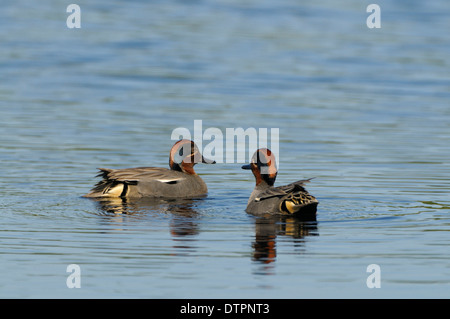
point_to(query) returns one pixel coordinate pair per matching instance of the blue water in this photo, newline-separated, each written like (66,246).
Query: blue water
(364,111)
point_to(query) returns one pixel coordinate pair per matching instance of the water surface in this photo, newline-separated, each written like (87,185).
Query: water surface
(364,111)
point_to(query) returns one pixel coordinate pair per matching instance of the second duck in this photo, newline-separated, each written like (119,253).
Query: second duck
(291,199)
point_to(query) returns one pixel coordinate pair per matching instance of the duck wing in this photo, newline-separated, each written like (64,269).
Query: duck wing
(284,190)
(136,174)
(114,181)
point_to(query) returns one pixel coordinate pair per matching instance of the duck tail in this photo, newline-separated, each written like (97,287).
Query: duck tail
(298,203)
(107,187)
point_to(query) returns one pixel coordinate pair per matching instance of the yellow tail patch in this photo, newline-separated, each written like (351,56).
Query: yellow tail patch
(115,191)
(294,202)
(290,206)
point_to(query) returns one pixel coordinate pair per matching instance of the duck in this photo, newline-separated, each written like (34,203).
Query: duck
(266,199)
(178,181)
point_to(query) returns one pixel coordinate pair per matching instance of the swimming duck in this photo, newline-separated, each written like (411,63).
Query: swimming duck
(291,199)
(180,181)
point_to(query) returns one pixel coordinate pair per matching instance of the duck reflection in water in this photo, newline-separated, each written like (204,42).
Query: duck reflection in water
(268,228)
(182,211)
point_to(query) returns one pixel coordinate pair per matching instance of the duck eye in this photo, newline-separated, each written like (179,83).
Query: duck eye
(179,155)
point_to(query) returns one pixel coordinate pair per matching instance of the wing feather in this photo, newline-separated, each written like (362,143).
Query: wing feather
(114,181)
(134,175)
(284,190)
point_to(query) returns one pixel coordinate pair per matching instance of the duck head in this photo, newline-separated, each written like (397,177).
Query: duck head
(263,166)
(184,155)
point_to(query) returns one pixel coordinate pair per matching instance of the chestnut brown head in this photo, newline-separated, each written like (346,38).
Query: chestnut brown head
(263,166)
(184,155)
